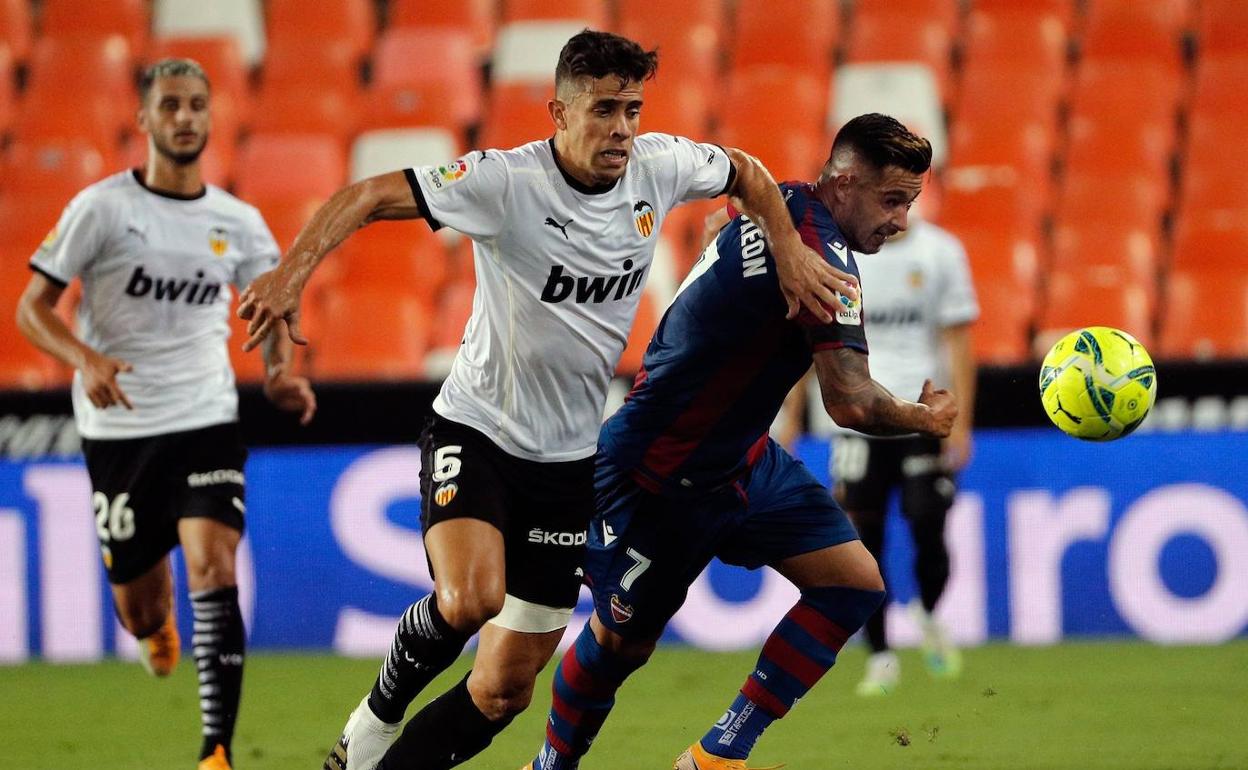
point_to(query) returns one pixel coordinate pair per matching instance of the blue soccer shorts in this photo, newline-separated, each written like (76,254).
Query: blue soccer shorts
(645,549)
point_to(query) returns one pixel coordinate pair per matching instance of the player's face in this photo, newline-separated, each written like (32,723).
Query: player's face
(598,124)
(878,204)
(176,116)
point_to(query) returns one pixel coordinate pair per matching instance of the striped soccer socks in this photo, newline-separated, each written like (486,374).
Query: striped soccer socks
(424,646)
(582,695)
(798,652)
(218,644)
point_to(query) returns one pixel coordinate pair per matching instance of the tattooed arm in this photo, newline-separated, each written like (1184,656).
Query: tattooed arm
(856,401)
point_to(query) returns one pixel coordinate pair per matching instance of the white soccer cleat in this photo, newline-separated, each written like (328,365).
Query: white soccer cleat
(363,742)
(883,674)
(942,658)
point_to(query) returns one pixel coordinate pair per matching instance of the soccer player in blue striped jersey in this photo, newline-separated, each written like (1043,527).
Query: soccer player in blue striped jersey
(686,471)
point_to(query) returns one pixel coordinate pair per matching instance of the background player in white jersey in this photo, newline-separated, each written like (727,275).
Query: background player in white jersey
(153,392)
(564,231)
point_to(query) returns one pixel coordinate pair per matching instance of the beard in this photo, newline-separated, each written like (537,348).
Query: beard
(181,157)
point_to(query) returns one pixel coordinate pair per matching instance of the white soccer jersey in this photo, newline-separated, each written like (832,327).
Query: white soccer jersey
(914,288)
(559,275)
(156,272)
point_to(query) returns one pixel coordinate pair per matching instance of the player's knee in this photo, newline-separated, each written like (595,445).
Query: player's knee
(502,697)
(211,572)
(141,619)
(467,608)
(638,651)
(865,576)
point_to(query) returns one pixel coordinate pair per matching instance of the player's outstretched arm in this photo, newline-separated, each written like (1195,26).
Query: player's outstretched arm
(805,277)
(857,402)
(38,322)
(275,295)
(284,389)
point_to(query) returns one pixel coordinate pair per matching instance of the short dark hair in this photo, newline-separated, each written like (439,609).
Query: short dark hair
(884,141)
(598,54)
(170,68)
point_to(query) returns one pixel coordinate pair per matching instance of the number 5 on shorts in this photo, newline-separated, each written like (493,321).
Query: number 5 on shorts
(446,463)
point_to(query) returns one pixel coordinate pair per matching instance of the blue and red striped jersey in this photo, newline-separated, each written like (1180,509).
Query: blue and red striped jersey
(724,357)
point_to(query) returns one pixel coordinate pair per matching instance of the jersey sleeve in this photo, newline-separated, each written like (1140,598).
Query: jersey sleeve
(700,170)
(73,242)
(468,194)
(262,253)
(845,331)
(958,304)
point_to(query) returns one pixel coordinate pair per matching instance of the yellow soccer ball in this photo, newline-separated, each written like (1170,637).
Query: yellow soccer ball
(1098,383)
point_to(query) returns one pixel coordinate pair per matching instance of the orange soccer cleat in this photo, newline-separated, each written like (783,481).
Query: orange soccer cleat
(697,758)
(215,761)
(159,652)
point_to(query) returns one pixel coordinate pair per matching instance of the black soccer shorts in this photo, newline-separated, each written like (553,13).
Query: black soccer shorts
(542,510)
(142,487)
(866,470)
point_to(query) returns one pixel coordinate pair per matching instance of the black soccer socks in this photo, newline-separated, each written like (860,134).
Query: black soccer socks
(424,645)
(448,731)
(219,643)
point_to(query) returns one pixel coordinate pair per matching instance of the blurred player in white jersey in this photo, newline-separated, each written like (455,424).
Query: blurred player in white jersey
(564,231)
(153,392)
(918,323)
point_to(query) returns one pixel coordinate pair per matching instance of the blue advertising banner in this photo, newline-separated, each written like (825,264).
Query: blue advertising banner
(1050,538)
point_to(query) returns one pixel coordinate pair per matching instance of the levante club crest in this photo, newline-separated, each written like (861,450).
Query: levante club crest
(643,217)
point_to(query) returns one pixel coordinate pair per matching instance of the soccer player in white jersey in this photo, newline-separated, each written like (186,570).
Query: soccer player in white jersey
(153,392)
(918,323)
(564,230)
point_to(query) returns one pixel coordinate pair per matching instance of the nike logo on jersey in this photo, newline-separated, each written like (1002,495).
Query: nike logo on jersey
(171,289)
(563,228)
(598,288)
(841,252)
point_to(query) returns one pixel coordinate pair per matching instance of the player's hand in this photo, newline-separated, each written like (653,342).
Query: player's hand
(943,407)
(291,394)
(807,280)
(99,380)
(956,449)
(271,298)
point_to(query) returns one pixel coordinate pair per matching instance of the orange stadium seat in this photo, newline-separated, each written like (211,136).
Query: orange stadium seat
(303,65)
(286,216)
(1221,81)
(994,196)
(1135,32)
(444,90)
(242,20)
(1206,315)
(1113,198)
(94,118)
(27,221)
(1211,245)
(1081,247)
(8,88)
(406,255)
(1024,145)
(307,111)
(70,18)
(802,36)
(990,90)
(889,36)
(293,165)
(793,154)
(994,249)
(56,167)
(478,17)
(84,65)
(677,104)
(351,21)
(517,114)
(1018,39)
(946,12)
(454,310)
(1063,9)
(369,333)
(393,149)
(22,365)
(644,324)
(1213,187)
(1104,296)
(1006,308)
(1097,143)
(16,27)
(772,96)
(593,12)
(1222,26)
(689,36)
(1126,91)
(1209,136)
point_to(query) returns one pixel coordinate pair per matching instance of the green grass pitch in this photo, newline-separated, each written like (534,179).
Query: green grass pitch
(1088,705)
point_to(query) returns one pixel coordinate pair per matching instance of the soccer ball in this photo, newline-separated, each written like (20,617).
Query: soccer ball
(1098,383)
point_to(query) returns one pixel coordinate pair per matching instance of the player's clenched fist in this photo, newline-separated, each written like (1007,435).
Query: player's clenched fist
(99,380)
(270,299)
(943,407)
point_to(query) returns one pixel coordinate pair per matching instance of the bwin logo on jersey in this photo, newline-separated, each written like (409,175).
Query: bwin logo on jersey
(171,289)
(598,288)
